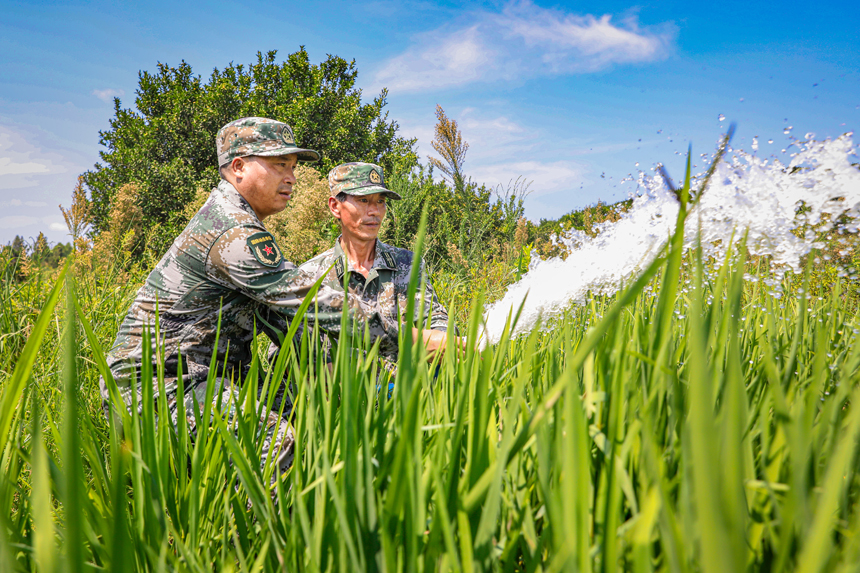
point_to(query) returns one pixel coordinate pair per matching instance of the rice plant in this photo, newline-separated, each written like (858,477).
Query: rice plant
(707,427)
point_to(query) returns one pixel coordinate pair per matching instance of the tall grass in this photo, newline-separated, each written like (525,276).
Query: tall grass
(702,427)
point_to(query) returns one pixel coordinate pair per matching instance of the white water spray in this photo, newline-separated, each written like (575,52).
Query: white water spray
(746,193)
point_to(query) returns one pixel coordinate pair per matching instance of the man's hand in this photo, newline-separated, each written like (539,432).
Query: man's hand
(436,341)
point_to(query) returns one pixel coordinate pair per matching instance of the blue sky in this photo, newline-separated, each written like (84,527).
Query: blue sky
(570,96)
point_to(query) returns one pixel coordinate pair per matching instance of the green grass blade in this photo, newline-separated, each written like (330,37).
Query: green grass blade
(24,366)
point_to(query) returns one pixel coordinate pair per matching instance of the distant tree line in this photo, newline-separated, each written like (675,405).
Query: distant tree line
(19,258)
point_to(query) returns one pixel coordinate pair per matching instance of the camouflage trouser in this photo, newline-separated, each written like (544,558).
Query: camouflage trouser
(278,437)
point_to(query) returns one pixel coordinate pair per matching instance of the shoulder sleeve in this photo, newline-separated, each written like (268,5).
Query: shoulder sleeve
(274,282)
(267,278)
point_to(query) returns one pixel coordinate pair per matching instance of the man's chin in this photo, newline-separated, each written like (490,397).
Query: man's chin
(365,235)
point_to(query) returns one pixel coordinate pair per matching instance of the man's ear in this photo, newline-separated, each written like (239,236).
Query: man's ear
(334,207)
(237,167)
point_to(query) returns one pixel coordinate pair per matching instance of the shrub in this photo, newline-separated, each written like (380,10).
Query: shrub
(305,228)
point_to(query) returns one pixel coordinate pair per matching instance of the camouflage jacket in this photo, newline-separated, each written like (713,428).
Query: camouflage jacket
(383,291)
(224,262)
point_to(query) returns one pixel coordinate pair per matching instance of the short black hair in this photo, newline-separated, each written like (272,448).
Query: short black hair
(341,197)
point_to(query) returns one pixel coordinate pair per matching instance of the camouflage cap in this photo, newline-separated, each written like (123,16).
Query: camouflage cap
(258,136)
(358,179)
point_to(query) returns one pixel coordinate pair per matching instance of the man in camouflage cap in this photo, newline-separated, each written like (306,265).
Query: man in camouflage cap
(225,266)
(378,273)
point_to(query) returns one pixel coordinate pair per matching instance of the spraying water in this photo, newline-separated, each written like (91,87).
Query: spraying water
(761,196)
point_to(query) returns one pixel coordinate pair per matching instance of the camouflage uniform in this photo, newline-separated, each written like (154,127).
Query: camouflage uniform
(385,288)
(223,264)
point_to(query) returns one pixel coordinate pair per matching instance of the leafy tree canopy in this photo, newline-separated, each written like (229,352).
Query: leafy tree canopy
(167,144)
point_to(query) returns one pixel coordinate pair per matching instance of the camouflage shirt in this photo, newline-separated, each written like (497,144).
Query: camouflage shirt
(383,291)
(224,262)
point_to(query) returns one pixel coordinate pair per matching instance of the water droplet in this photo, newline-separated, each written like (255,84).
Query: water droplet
(810,135)
(637,164)
(770,141)
(615,258)
(787,130)
(721,117)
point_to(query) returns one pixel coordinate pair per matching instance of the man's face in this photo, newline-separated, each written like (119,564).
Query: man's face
(265,182)
(360,215)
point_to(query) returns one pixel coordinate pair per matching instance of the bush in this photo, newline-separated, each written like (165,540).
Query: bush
(305,228)
(466,225)
(540,235)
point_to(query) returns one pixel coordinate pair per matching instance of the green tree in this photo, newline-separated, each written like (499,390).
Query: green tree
(166,145)
(41,249)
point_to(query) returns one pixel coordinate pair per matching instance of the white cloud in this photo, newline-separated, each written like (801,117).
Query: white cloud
(422,131)
(443,61)
(498,126)
(493,137)
(37,172)
(499,153)
(9,167)
(487,135)
(543,177)
(522,41)
(108,94)
(17,221)
(21,162)
(19,203)
(574,43)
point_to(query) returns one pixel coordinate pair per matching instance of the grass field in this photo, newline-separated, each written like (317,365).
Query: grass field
(694,424)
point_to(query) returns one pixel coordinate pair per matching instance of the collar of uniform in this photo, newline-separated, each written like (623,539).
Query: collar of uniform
(232,195)
(384,257)
(379,262)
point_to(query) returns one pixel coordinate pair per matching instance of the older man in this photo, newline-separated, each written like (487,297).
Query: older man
(226,268)
(378,273)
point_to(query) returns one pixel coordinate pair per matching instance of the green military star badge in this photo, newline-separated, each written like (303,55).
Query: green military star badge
(264,249)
